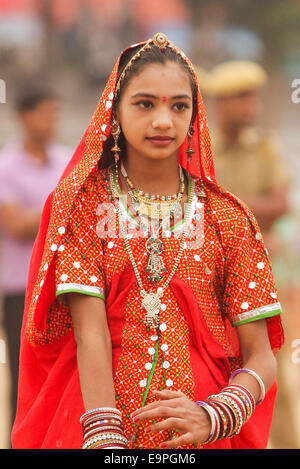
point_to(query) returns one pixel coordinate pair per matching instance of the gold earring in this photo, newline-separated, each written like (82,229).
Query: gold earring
(115,131)
(190,150)
(201,192)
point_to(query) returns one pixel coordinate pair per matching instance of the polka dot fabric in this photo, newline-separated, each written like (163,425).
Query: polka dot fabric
(173,369)
(79,258)
(228,272)
(249,280)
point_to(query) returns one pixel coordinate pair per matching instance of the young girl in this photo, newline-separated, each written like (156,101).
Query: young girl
(151,321)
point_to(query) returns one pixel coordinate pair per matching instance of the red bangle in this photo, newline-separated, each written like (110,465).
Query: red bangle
(98,431)
(238,402)
(223,421)
(101,413)
(246,391)
(230,416)
(246,401)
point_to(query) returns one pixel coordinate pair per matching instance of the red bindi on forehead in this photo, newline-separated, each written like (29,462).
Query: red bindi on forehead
(164,99)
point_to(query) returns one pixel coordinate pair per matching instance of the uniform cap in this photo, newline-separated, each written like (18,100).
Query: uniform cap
(234,77)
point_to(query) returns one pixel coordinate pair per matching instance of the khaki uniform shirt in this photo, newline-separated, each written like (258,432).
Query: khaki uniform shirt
(251,166)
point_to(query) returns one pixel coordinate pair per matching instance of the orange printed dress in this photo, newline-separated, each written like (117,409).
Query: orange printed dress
(224,279)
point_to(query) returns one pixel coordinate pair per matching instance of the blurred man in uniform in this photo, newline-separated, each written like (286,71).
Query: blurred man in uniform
(247,164)
(30,167)
(246,159)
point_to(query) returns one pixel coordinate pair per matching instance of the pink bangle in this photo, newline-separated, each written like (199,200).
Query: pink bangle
(213,420)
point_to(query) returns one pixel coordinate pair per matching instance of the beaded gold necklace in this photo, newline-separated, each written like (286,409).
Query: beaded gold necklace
(151,301)
(154,206)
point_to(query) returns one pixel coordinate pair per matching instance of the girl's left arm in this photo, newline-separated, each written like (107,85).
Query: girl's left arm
(257,356)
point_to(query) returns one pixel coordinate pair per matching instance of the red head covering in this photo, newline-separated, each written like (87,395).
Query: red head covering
(84,161)
(39,418)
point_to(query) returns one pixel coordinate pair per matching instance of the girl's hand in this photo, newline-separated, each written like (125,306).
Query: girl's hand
(192,422)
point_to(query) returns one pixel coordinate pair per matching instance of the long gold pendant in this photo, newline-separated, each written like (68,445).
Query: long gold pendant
(151,301)
(152,304)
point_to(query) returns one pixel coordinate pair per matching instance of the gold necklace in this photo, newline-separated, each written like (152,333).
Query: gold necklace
(152,301)
(153,198)
(154,206)
(154,246)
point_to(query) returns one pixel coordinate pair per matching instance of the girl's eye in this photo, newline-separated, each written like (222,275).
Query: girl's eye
(180,106)
(144,104)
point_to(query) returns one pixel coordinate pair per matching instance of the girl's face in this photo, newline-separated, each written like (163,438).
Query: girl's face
(155,110)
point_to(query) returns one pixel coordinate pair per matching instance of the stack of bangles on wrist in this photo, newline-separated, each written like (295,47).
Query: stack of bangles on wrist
(231,408)
(102,428)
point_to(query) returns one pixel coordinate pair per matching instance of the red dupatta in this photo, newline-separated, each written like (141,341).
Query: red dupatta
(50,401)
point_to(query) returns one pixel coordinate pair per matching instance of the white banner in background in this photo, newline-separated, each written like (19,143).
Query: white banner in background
(2,91)
(296,93)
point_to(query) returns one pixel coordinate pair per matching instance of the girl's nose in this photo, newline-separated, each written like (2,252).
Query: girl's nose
(162,122)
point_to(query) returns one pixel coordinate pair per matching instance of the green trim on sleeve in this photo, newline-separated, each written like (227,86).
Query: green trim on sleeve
(74,290)
(90,290)
(270,314)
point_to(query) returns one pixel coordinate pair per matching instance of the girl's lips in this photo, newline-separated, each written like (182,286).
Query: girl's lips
(160,141)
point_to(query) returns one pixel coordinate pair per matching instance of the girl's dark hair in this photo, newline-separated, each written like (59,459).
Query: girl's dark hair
(148,56)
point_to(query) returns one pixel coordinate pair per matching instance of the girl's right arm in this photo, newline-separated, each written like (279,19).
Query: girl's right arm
(94,350)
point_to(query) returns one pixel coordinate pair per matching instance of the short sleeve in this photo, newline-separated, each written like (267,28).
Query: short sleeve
(249,293)
(79,257)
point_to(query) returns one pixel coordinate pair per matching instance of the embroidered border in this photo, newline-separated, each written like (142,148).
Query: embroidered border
(265,311)
(78,288)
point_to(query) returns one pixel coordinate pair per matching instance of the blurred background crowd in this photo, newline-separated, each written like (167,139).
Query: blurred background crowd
(55,57)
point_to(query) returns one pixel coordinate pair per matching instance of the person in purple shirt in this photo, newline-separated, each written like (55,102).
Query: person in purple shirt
(29,169)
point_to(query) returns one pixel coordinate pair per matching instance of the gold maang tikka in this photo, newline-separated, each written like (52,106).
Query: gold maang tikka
(160,40)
